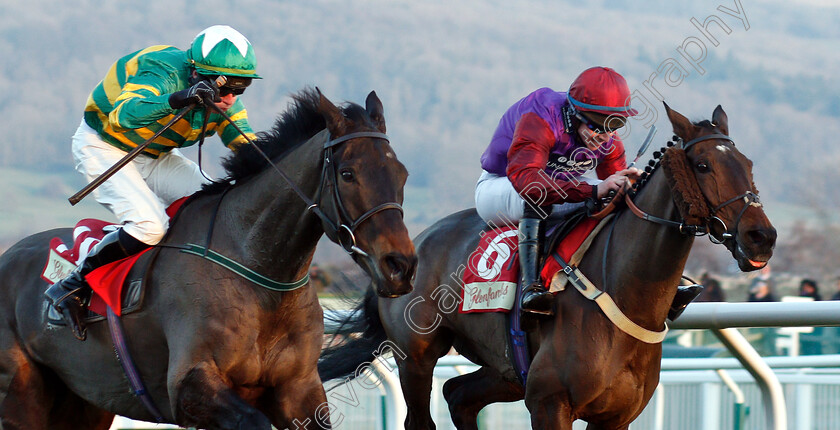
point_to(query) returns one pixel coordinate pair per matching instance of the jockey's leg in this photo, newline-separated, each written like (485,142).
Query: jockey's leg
(535,297)
(70,295)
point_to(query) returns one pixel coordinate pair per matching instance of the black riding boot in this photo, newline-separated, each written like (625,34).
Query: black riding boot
(71,295)
(685,295)
(535,298)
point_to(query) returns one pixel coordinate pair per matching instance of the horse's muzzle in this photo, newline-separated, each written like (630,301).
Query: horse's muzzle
(398,274)
(754,248)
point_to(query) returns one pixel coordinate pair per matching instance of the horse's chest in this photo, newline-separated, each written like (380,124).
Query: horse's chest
(249,393)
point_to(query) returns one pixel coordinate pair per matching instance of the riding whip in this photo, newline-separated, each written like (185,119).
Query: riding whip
(76,198)
(645,145)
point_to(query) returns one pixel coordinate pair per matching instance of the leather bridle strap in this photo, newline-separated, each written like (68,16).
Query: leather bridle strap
(682,226)
(310,204)
(706,137)
(344,231)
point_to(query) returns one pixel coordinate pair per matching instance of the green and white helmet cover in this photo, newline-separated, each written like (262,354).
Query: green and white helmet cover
(221,50)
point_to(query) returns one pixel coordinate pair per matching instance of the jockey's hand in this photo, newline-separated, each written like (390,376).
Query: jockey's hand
(195,95)
(617,181)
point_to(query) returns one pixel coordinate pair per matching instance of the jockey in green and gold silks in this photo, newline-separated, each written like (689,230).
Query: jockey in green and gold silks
(142,93)
(132,103)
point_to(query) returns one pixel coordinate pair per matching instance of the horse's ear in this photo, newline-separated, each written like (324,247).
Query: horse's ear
(720,120)
(682,126)
(375,110)
(336,123)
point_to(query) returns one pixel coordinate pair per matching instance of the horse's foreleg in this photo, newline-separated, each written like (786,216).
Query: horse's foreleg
(203,399)
(298,404)
(468,394)
(550,413)
(416,381)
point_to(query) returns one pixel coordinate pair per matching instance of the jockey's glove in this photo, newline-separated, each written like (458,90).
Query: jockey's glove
(203,91)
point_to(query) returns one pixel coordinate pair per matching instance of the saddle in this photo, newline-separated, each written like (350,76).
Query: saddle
(492,270)
(119,285)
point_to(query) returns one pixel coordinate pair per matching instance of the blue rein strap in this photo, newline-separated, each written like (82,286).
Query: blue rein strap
(519,340)
(135,381)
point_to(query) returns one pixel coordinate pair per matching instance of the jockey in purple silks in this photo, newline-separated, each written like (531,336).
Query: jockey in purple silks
(535,164)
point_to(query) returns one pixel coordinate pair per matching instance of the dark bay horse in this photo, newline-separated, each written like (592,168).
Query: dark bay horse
(584,366)
(215,350)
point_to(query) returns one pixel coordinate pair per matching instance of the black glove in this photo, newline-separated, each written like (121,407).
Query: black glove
(201,92)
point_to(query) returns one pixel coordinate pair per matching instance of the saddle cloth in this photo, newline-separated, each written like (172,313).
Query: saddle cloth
(108,281)
(492,270)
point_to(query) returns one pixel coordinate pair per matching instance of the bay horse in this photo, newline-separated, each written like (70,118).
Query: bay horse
(215,350)
(584,366)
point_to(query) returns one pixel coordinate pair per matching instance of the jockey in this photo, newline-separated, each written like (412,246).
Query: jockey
(535,164)
(141,92)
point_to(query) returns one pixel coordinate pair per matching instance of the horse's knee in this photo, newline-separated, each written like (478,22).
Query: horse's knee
(203,399)
(449,388)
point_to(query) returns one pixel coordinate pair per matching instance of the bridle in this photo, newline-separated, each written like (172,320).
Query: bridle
(749,197)
(341,231)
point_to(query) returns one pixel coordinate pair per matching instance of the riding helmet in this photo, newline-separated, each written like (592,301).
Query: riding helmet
(221,50)
(602,95)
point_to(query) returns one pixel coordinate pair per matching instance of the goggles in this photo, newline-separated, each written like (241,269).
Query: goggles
(594,128)
(229,84)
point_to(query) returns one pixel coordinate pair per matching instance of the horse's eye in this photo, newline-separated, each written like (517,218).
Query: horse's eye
(347,175)
(702,167)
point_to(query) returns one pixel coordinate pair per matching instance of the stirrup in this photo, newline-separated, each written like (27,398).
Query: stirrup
(67,309)
(685,295)
(73,311)
(542,301)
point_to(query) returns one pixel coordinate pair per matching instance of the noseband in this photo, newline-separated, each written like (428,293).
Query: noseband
(749,197)
(342,231)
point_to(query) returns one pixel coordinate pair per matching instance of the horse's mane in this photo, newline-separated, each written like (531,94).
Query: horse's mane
(299,123)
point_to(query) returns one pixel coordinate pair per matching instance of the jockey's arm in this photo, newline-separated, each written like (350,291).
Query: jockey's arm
(229,134)
(144,99)
(527,161)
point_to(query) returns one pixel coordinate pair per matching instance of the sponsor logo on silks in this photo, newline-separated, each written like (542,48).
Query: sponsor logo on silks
(560,163)
(57,268)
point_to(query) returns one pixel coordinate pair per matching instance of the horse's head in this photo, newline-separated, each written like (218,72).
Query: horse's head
(729,200)
(363,194)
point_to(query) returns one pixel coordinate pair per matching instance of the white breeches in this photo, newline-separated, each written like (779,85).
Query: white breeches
(139,193)
(498,203)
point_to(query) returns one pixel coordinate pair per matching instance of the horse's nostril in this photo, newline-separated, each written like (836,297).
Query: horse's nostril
(762,237)
(399,267)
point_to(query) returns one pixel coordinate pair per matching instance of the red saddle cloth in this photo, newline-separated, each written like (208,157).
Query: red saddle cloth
(492,273)
(106,281)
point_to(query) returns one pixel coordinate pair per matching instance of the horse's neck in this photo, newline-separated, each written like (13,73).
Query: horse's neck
(646,259)
(269,228)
